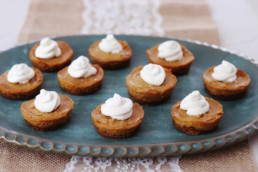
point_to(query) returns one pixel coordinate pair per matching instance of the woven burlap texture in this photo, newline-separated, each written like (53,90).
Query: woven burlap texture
(14,158)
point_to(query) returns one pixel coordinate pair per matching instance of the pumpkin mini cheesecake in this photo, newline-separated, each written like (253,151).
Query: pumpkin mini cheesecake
(81,77)
(196,114)
(110,53)
(172,55)
(117,118)
(50,56)
(225,81)
(20,82)
(47,111)
(150,84)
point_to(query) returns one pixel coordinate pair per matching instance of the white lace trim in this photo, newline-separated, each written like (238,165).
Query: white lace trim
(174,163)
(138,17)
(71,165)
(89,164)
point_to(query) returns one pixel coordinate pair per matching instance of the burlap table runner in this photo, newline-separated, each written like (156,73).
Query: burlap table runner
(175,18)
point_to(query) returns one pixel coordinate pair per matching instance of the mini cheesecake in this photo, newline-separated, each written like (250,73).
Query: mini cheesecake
(144,93)
(55,63)
(178,67)
(45,121)
(226,90)
(16,91)
(108,60)
(196,114)
(80,86)
(117,129)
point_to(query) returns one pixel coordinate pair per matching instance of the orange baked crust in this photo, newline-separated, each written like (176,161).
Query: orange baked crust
(226,90)
(178,67)
(80,86)
(109,127)
(47,121)
(21,91)
(109,60)
(144,93)
(194,125)
(53,64)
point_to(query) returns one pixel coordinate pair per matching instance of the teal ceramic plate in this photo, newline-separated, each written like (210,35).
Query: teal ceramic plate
(157,135)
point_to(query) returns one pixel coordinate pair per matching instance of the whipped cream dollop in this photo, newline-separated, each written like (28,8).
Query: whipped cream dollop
(117,107)
(170,51)
(48,48)
(81,67)
(153,74)
(225,72)
(195,104)
(47,101)
(110,45)
(20,73)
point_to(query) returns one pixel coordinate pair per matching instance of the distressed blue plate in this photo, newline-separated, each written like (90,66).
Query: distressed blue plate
(157,135)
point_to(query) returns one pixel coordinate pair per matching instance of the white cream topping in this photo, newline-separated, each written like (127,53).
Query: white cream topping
(20,73)
(153,74)
(47,49)
(81,67)
(118,107)
(47,101)
(170,51)
(110,45)
(195,104)
(225,72)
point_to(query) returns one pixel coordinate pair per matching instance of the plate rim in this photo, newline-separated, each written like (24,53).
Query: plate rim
(138,150)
